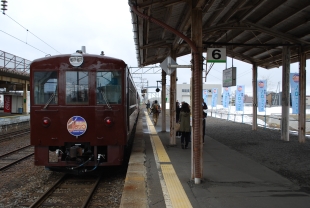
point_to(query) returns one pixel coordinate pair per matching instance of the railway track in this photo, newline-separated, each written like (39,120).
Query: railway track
(14,134)
(13,157)
(69,191)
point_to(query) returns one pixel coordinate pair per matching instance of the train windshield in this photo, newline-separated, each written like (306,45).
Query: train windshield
(108,87)
(45,88)
(77,88)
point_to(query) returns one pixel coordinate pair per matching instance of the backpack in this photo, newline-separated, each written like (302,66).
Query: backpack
(156,108)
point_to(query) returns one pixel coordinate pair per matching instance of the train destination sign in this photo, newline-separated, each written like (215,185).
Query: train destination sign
(216,55)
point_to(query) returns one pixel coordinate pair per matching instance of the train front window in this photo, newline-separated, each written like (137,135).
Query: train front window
(45,88)
(77,88)
(108,87)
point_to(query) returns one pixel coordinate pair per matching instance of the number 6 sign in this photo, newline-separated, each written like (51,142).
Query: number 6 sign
(216,55)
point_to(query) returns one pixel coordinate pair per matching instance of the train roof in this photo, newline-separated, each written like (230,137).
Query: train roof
(88,59)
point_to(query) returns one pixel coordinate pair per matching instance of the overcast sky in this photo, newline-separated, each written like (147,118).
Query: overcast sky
(61,27)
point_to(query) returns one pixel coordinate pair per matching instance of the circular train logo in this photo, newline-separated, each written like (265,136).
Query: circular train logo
(76,126)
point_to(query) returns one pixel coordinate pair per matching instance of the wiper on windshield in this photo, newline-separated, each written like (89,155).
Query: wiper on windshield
(105,99)
(49,100)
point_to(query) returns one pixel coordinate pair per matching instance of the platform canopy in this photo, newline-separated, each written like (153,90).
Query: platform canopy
(253,31)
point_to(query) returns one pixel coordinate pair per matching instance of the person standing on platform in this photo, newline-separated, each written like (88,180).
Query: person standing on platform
(155,111)
(148,106)
(177,109)
(204,112)
(185,127)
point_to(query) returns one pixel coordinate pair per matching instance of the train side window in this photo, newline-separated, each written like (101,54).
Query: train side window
(45,88)
(77,88)
(108,87)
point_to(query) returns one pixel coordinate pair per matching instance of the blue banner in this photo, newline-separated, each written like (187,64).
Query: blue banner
(294,80)
(226,97)
(205,96)
(214,97)
(239,97)
(261,94)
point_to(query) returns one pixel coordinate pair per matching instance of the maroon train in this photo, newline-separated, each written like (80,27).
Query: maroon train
(83,110)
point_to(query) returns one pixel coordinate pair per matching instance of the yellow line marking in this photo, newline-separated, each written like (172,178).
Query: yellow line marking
(173,191)
(161,152)
(177,194)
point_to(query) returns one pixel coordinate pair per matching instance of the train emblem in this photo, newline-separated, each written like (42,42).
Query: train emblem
(76,126)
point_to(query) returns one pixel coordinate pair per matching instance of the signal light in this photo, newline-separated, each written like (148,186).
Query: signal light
(108,121)
(157,89)
(46,122)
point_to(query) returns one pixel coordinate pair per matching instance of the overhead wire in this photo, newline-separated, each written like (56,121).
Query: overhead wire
(31,33)
(23,42)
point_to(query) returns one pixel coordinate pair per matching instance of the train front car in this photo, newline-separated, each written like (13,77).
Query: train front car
(83,108)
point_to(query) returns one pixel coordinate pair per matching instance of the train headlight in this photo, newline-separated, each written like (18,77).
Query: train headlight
(46,122)
(108,121)
(76,59)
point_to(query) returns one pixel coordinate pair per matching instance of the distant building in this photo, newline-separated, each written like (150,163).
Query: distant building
(273,99)
(184,91)
(248,100)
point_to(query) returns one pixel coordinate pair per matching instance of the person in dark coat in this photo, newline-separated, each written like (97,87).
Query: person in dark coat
(204,112)
(185,127)
(148,107)
(177,109)
(155,111)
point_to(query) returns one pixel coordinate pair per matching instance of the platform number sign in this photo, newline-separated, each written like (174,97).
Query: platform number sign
(216,55)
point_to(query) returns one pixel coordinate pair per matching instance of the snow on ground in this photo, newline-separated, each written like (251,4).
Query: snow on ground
(271,117)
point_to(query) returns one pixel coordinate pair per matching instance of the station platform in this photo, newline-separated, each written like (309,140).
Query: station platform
(159,175)
(10,118)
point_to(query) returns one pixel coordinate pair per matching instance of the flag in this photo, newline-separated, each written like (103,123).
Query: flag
(205,96)
(239,97)
(214,97)
(226,97)
(294,81)
(261,94)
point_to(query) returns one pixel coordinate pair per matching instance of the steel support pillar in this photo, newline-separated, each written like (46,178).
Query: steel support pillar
(173,77)
(196,97)
(285,93)
(254,84)
(25,90)
(163,101)
(302,97)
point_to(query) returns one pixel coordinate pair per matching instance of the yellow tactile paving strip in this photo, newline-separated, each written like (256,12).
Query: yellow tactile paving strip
(161,152)
(177,195)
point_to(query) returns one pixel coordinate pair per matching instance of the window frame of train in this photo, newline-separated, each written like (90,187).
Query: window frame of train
(108,87)
(77,88)
(45,87)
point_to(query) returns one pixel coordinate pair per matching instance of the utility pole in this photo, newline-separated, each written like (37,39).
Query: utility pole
(276,96)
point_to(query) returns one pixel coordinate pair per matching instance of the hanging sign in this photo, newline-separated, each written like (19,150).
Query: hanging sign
(216,55)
